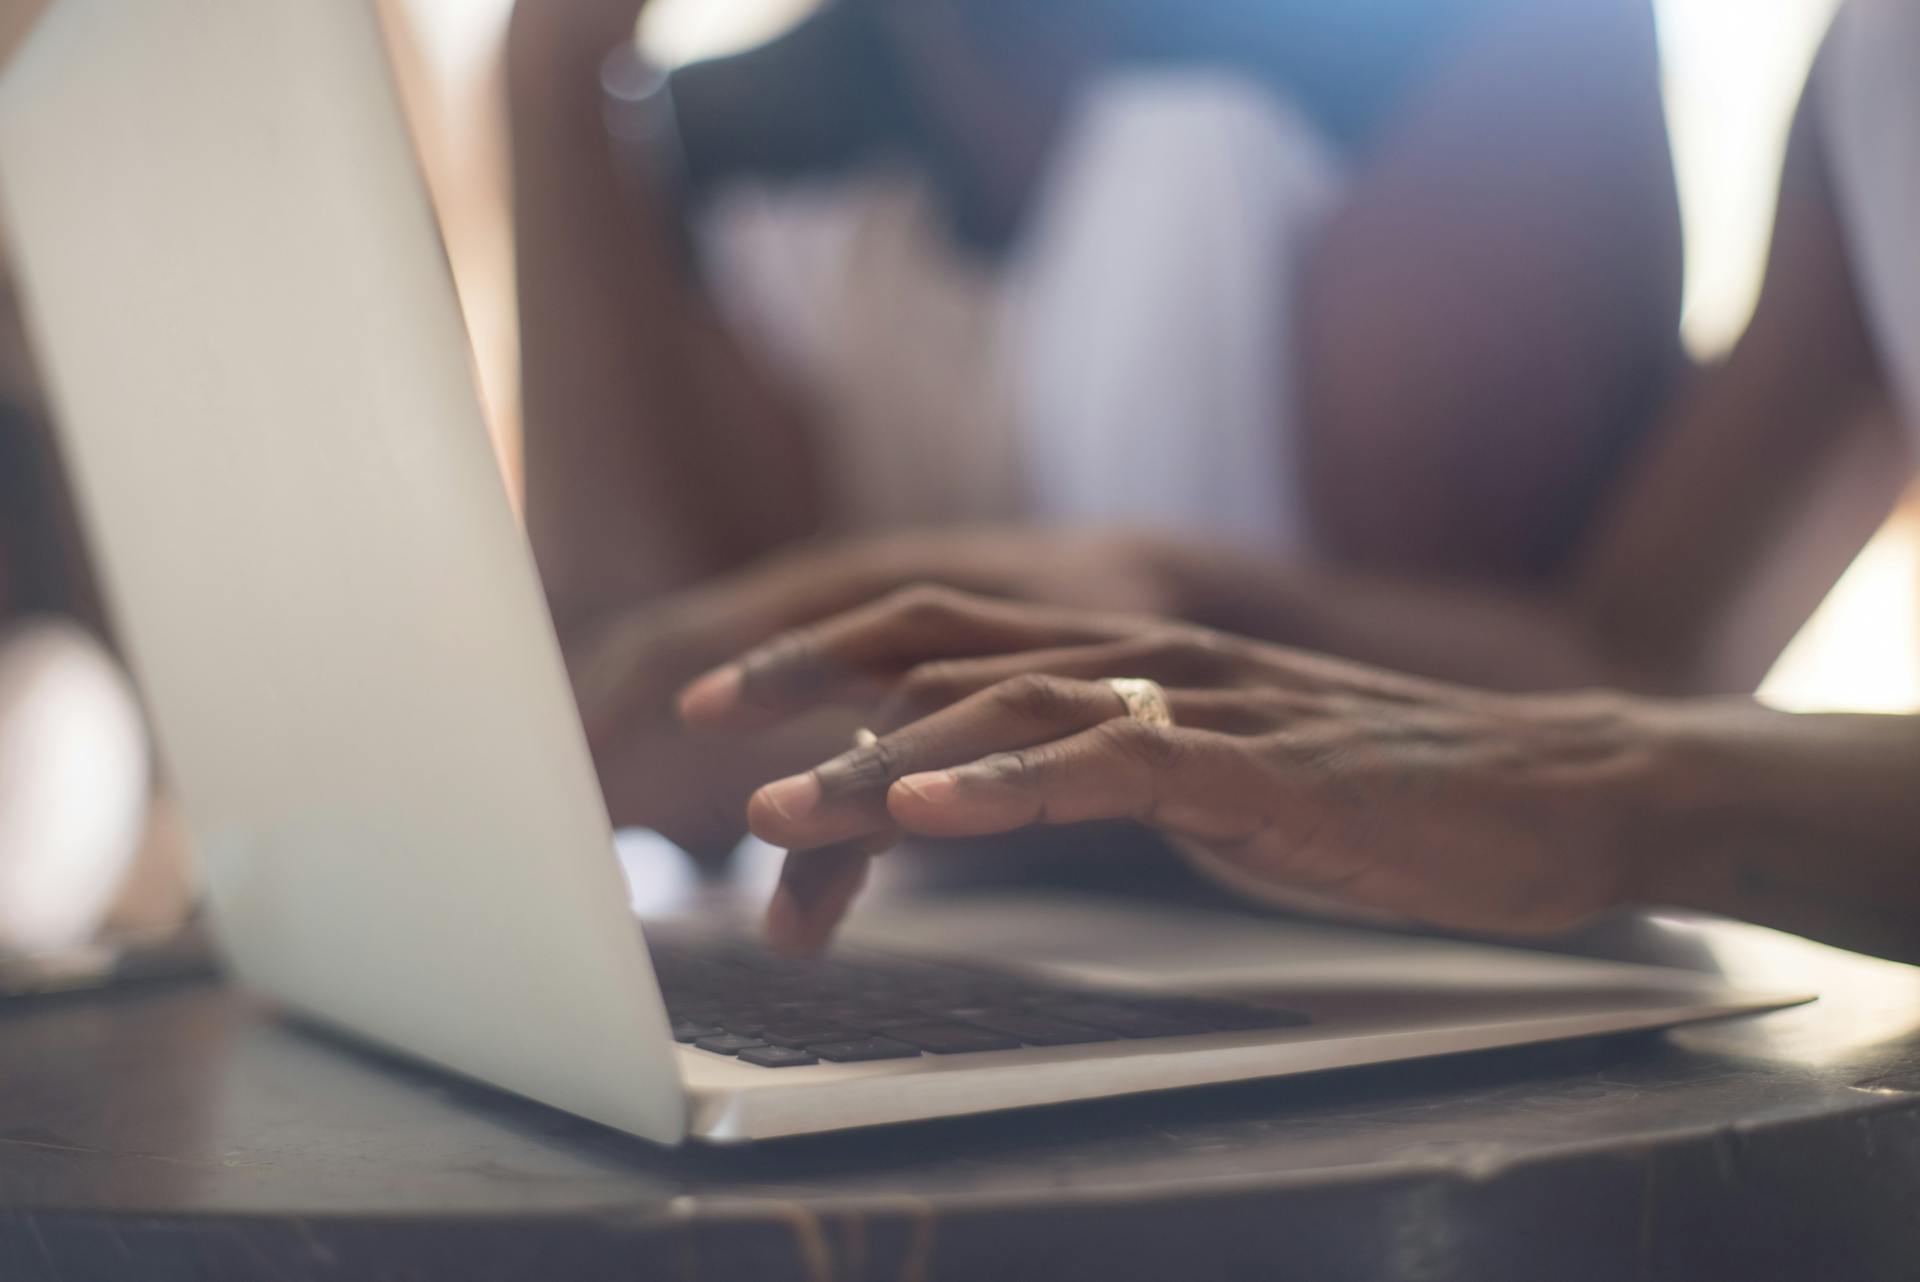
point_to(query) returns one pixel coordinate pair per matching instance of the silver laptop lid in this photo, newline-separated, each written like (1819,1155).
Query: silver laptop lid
(257,362)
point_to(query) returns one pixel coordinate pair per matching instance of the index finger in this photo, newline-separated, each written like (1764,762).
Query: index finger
(847,797)
(858,651)
(816,889)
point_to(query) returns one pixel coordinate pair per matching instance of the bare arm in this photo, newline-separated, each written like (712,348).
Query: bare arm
(656,454)
(1745,460)
(1661,597)
(1494,312)
(1806,823)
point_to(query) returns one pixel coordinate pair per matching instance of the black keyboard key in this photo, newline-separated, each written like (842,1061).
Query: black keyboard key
(808,1034)
(733,997)
(1128,1021)
(952,1039)
(864,1049)
(1230,1016)
(748,1023)
(729,1043)
(777,1057)
(875,1016)
(1042,1030)
(689,1013)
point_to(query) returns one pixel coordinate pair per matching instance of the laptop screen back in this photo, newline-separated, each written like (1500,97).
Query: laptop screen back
(241,305)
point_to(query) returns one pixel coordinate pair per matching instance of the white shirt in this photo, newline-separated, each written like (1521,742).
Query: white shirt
(1130,362)
(1870,111)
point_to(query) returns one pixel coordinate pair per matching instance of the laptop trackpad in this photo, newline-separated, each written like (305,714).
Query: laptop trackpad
(1107,940)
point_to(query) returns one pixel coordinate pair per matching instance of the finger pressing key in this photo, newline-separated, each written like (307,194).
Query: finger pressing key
(846,799)
(1122,770)
(816,888)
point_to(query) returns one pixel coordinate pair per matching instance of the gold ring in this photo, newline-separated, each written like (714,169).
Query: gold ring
(864,738)
(1146,700)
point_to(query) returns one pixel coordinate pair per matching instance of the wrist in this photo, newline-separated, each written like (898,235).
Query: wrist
(1680,785)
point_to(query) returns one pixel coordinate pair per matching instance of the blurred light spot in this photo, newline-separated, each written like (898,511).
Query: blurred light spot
(675,32)
(661,879)
(1733,71)
(1861,651)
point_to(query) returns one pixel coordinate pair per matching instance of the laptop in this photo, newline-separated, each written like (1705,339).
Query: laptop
(264,390)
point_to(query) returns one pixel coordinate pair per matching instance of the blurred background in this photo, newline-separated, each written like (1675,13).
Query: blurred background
(1732,68)
(1733,71)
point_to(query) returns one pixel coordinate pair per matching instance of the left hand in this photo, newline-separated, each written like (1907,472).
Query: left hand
(1460,808)
(627,671)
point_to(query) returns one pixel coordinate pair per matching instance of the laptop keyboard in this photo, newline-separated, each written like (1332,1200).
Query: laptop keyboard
(734,998)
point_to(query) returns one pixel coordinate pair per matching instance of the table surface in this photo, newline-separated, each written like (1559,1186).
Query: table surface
(179,1130)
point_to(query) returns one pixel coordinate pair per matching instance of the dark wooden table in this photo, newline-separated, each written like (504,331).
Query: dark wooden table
(178,1131)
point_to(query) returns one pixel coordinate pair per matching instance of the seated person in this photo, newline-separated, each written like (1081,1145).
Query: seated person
(1450,804)
(1391,285)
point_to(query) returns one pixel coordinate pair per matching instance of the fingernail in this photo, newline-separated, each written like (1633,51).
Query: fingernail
(793,798)
(712,695)
(936,788)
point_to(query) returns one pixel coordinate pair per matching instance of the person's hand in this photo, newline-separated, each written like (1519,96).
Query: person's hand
(693,789)
(1455,807)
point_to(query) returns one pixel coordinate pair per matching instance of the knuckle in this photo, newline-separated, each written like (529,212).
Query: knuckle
(1244,713)
(1196,656)
(780,663)
(1022,770)
(1326,759)
(1273,708)
(886,760)
(1038,697)
(923,603)
(1155,747)
(865,769)
(931,685)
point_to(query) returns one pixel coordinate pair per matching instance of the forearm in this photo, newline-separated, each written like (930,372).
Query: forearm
(655,456)
(1806,823)
(1510,250)
(584,272)
(1718,541)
